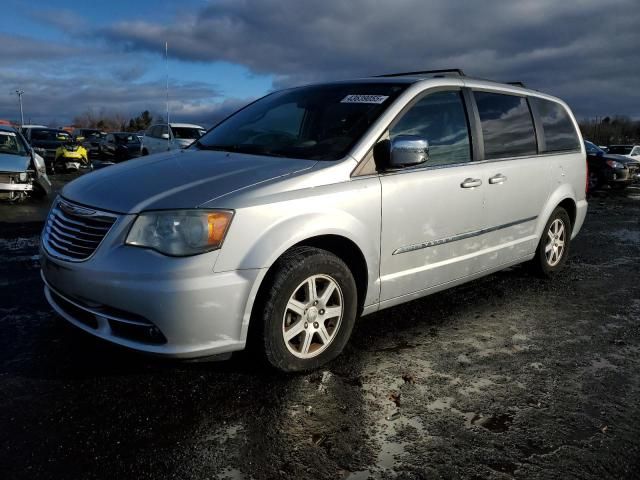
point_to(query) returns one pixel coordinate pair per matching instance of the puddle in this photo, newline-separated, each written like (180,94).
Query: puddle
(495,423)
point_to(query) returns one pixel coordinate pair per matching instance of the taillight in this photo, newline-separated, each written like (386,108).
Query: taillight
(586,182)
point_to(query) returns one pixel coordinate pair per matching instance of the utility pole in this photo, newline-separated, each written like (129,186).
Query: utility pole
(20,93)
(166,64)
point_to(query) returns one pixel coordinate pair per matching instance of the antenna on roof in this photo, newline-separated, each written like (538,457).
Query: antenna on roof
(166,62)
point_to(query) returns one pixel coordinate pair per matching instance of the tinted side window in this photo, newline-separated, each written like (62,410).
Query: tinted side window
(559,132)
(163,129)
(440,118)
(507,125)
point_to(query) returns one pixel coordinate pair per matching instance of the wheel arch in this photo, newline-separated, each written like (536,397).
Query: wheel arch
(562,197)
(340,246)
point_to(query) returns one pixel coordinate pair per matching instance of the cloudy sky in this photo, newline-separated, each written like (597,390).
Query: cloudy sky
(73,56)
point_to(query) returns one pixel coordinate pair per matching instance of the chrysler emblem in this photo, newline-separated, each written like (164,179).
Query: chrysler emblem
(75,210)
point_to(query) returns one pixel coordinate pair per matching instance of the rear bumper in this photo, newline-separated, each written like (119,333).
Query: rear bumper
(581,213)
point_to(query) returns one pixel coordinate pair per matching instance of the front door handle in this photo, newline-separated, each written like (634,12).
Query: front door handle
(499,178)
(471,182)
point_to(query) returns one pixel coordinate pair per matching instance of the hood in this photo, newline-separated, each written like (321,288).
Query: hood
(14,163)
(177,179)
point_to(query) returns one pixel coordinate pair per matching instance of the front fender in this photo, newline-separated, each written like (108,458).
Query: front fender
(269,244)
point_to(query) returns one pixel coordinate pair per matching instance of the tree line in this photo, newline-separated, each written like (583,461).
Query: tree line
(115,122)
(611,130)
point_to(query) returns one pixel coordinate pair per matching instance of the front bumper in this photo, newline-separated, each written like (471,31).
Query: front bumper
(16,187)
(622,175)
(137,298)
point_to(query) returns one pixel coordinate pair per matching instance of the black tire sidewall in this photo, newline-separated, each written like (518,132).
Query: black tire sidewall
(289,274)
(541,259)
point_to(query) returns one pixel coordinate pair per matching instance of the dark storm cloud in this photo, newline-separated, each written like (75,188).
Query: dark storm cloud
(585,51)
(17,48)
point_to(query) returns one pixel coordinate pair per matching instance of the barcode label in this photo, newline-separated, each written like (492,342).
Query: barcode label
(364,99)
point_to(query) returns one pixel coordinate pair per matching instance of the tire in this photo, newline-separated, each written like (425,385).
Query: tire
(319,326)
(595,181)
(557,235)
(145,152)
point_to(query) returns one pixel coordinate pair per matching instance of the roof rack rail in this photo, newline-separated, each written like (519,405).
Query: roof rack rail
(456,71)
(517,84)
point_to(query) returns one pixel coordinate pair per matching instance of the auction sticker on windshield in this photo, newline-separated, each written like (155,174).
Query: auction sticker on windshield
(364,99)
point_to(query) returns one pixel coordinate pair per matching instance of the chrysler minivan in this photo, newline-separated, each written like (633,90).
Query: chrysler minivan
(312,206)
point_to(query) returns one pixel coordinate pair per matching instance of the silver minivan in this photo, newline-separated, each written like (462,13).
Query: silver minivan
(313,206)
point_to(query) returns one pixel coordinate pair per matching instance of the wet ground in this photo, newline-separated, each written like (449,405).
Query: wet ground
(509,376)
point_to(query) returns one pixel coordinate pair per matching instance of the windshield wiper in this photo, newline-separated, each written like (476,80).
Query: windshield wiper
(220,148)
(241,148)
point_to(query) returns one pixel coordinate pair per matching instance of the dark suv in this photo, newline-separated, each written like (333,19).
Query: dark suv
(617,171)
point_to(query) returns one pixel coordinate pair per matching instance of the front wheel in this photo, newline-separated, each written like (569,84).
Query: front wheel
(307,312)
(553,248)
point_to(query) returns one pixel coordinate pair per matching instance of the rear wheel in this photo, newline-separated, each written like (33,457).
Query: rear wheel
(306,316)
(553,248)
(145,152)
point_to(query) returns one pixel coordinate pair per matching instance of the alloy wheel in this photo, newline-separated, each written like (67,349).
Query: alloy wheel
(312,316)
(556,238)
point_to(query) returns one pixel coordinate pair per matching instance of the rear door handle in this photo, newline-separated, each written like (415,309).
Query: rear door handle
(471,182)
(499,178)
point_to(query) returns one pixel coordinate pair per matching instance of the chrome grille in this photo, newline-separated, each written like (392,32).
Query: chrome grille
(73,232)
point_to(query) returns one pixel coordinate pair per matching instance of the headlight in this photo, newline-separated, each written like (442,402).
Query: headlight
(180,232)
(614,164)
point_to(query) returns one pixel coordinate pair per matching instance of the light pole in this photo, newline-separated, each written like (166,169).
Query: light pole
(19,93)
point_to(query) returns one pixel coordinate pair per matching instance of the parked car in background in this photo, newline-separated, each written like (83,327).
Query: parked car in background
(25,130)
(162,137)
(46,141)
(314,205)
(618,171)
(119,146)
(90,139)
(631,151)
(22,171)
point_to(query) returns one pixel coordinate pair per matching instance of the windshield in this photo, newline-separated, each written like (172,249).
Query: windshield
(317,123)
(187,133)
(620,149)
(592,148)
(50,135)
(11,144)
(126,138)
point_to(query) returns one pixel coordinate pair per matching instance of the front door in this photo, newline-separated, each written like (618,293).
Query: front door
(432,216)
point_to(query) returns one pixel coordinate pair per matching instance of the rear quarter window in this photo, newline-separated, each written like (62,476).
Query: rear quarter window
(507,125)
(558,129)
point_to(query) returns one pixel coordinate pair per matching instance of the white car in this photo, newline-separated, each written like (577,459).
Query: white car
(631,151)
(162,137)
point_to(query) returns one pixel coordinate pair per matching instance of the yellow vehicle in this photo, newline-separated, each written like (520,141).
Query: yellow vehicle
(71,156)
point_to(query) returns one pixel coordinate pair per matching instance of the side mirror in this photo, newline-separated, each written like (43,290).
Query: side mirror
(402,151)
(165,136)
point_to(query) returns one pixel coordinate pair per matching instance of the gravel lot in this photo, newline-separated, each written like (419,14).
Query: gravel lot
(507,376)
